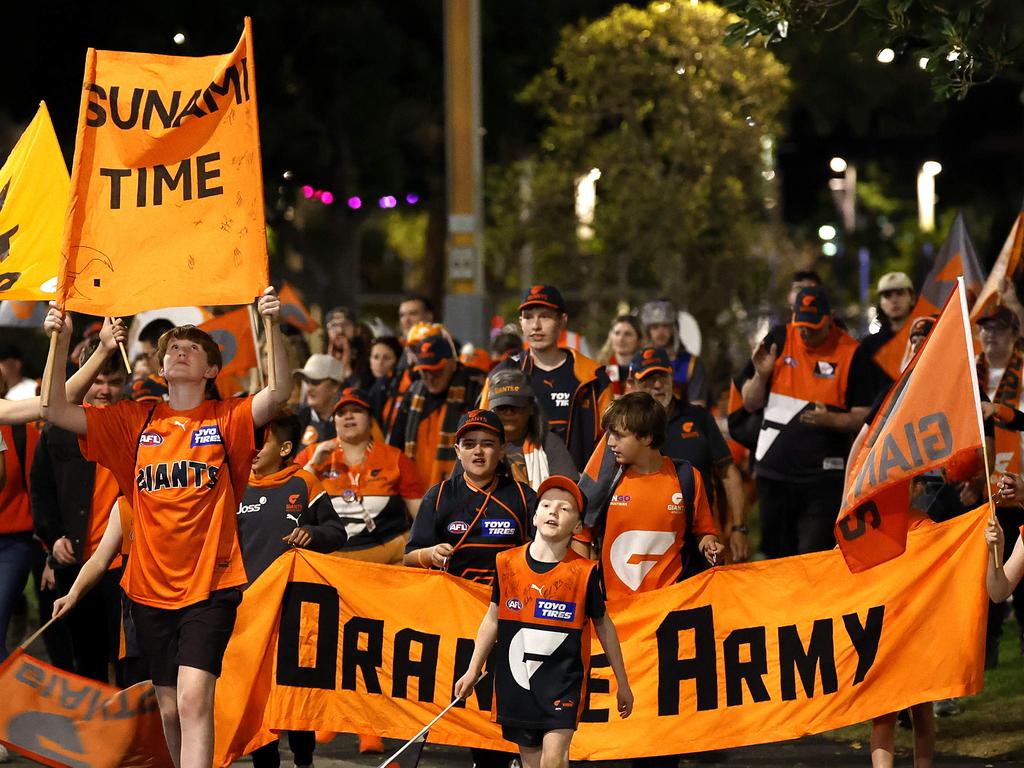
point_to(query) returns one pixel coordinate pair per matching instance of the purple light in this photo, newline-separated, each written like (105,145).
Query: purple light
(355,203)
(307,191)
(412,199)
(327,197)
(388,201)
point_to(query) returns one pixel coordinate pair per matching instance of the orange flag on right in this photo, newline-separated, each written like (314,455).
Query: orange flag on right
(1007,266)
(233,333)
(930,418)
(294,312)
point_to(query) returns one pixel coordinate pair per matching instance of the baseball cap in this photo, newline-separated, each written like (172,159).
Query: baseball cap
(649,360)
(480,419)
(509,387)
(658,312)
(811,308)
(563,483)
(543,296)
(432,352)
(894,281)
(352,396)
(319,367)
(1002,316)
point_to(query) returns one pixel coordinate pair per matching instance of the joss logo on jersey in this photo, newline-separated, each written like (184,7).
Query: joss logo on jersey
(206,436)
(554,609)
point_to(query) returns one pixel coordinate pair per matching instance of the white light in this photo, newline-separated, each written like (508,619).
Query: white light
(179,38)
(837,185)
(837,164)
(826,232)
(829,249)
(953,55)
(931,167)
(923,62)
(886,56)
(586,203)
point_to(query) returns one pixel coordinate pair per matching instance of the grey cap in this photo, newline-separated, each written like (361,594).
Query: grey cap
(509,386)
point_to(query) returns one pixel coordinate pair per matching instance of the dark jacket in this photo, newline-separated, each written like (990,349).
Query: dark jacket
(61,488)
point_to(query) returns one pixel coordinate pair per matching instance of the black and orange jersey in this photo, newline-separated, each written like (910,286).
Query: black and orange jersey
(644,528)
(477,523)
(542,656)
(692,434)
(370,498)
(554,390)
(836,373)
(184,472)
(277,504)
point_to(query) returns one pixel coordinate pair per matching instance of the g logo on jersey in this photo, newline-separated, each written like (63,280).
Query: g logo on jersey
(458,527)
(150,438)
(676,507)
(527,651)
(634,553)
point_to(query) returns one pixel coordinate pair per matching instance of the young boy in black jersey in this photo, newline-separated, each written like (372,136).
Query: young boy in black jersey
(543,596)
(284,506)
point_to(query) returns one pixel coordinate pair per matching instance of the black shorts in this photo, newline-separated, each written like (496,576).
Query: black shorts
(531,738)
(193,636)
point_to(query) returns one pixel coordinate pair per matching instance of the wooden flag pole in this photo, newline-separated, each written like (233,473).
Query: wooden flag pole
(44,394)
(268,330)
(253,324)
(37,633)
(124,354)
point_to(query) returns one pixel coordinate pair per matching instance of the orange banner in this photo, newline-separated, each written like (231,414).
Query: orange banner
(1007,267)
(737,655)
(233,333)
(929,419)
(166,201)
(294,312)
(61,719)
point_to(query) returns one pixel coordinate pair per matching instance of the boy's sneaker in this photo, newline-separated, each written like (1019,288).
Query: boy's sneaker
(946,707)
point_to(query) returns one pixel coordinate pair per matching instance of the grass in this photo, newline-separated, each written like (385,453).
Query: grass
(990,724)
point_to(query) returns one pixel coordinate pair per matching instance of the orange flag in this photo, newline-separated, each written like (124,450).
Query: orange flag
(956,257)
(233,333)
(294,312)
(166,204)
(60,719)
(931,418)
(1007,266)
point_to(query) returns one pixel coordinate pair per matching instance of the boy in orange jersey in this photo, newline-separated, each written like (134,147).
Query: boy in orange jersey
(184,465)
(542,598)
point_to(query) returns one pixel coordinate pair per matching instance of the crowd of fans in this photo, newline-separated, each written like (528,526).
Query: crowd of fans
(408,448)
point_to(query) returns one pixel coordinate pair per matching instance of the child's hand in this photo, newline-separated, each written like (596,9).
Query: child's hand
(711,548)
(56,321)
(1011,487)
(300,537)
(64,604)
(624,700)
(994,536)
(464,685)
(439,554)
(112,333)
(268,304)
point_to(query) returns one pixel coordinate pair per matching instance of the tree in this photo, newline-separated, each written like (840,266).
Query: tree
(961,43)
(680,127)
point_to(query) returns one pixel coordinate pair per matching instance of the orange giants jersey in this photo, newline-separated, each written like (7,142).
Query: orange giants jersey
(542,657)
(184,472)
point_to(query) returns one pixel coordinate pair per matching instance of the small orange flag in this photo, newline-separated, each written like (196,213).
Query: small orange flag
(294,312)
(166,204)
(931,418)
(233,333)
(1007,267)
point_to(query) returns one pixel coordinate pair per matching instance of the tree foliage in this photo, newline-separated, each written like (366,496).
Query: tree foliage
(678,125)
(965,43)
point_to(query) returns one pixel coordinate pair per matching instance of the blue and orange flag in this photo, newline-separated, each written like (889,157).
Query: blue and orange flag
(930,420)
(1007,267)
(33,197)
(233,332)
(294,312)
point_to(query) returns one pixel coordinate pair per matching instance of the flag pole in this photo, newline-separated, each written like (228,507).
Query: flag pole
(256,346)
(44,394)
(124,353)
(268,331)
(24,645)
(425,728)
(977,408)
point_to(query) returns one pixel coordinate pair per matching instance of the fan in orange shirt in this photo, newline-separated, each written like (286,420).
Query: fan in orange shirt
(183,464)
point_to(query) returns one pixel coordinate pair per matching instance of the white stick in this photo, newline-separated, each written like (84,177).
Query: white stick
(426,728)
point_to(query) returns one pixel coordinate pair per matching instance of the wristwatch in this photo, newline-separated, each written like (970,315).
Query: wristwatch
(741,529)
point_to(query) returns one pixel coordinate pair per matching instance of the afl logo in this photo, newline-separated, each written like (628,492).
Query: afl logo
(513,605)
(150,438)
(458,526)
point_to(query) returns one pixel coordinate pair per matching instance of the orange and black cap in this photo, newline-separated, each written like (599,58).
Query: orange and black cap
(480,419)
(649,360)
(432,352)
(352,396)
(543,296)
(811,308)
(563,483)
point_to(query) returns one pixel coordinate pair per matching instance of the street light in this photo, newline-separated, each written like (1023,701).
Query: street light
(926,194)
(827,232)
(586,203)
(837,164)
(886,56)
